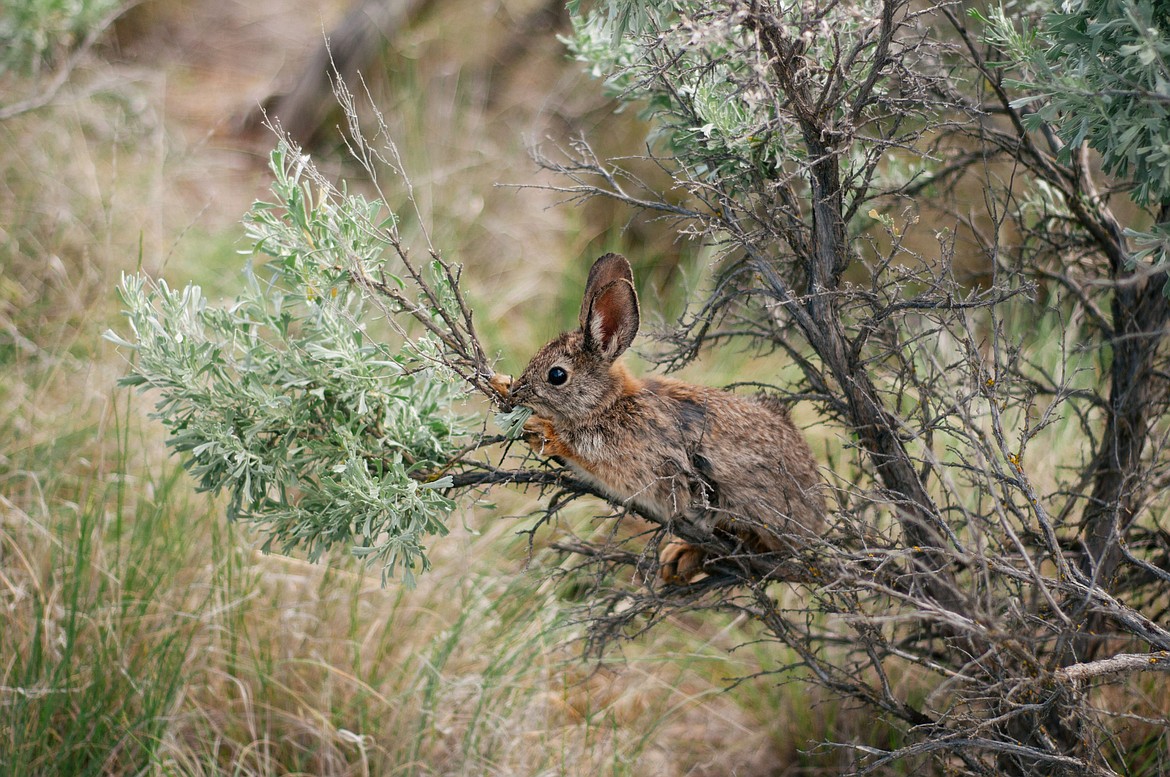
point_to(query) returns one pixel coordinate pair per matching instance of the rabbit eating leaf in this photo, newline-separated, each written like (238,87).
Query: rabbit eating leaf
(677,453)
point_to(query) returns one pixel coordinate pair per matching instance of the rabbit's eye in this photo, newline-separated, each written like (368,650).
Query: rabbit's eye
(557,376)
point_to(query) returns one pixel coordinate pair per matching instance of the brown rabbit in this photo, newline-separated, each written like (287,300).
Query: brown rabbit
(717,460)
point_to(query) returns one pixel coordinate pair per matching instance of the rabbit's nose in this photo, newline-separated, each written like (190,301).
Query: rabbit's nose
(519,390)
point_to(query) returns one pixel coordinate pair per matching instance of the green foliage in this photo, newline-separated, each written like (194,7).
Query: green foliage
(1099,72)
(512,422)
(707,115)
(34,33)
(704,84)
(317,432)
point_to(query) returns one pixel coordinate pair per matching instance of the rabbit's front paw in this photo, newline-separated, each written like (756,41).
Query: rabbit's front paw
(680,562)
(541,436)
(501,383)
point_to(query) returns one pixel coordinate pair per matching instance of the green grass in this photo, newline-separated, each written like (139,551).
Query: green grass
(100,668)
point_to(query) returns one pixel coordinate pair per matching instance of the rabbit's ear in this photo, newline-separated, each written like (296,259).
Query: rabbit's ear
(612,320)
(606,270)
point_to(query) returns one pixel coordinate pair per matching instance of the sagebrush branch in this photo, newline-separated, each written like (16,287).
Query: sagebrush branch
(1123,663)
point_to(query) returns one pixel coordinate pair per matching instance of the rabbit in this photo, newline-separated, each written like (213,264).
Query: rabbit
(669,450)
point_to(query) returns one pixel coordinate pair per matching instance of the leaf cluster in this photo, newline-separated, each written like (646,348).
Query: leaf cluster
(710,115)
(317,431)
(1098,74)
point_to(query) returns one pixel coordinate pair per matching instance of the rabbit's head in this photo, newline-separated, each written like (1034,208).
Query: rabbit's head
(573,376)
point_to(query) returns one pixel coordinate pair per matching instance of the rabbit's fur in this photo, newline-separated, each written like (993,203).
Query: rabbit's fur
(720,461)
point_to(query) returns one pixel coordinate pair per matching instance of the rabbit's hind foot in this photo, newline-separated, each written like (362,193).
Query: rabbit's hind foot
(680,562)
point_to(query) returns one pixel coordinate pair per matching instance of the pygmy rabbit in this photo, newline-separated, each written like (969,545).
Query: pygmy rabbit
(673,451)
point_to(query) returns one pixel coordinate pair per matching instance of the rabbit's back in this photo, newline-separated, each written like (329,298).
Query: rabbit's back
(735,462)
(756,463)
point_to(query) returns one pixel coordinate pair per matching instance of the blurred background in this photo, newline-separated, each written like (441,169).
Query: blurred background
(140,632)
